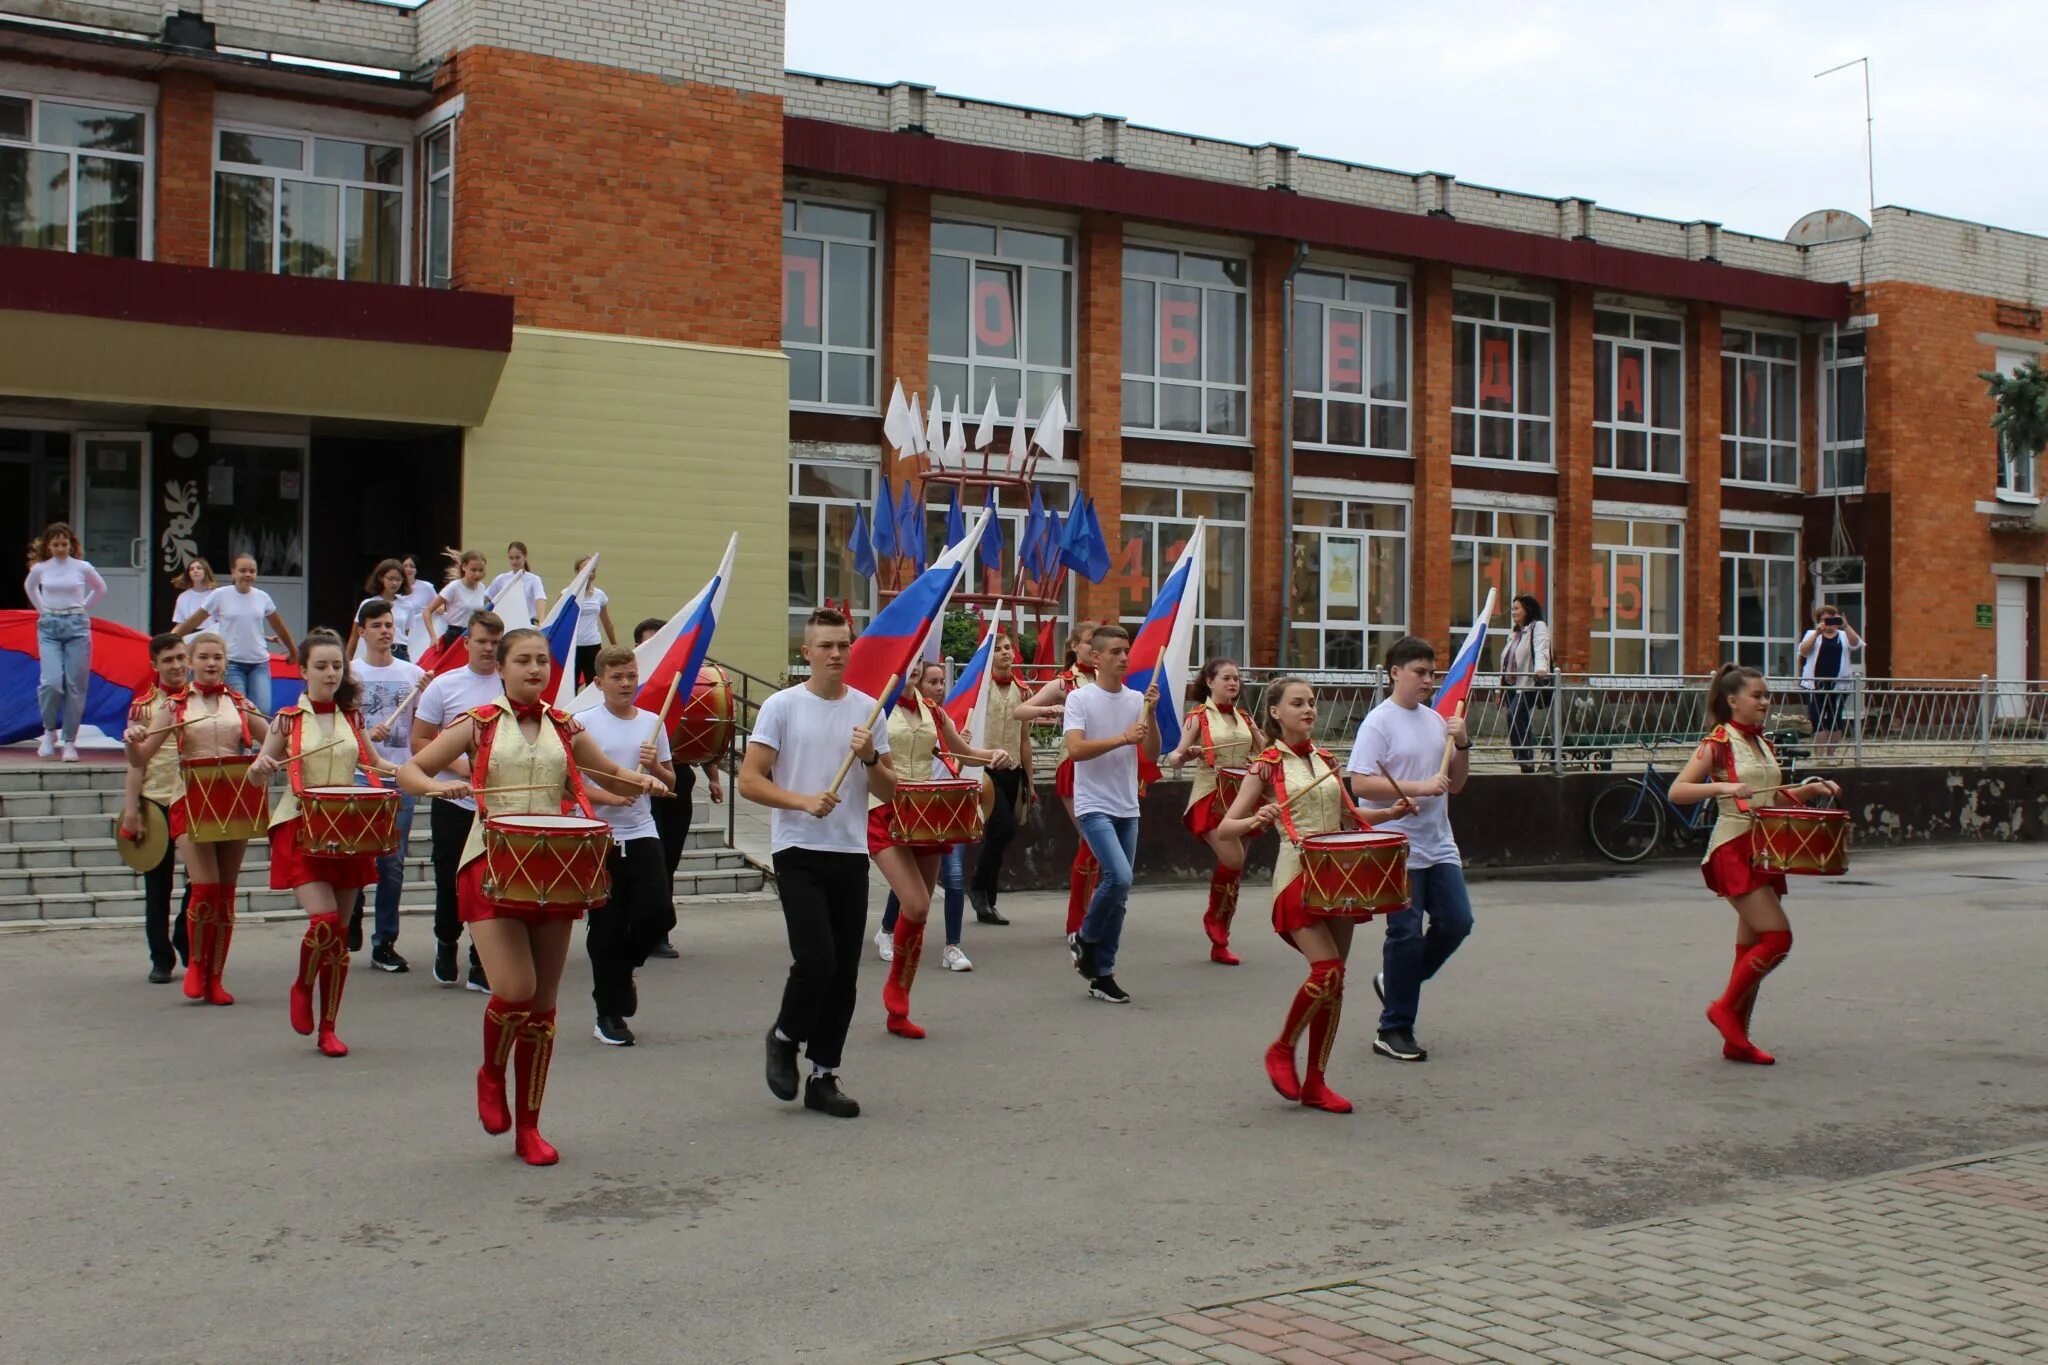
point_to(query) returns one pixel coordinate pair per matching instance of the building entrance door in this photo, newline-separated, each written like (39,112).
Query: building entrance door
(111,472)
(2012,648)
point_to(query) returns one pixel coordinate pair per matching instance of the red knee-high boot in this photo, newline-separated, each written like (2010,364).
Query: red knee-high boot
(322,933)
(333,977)
(503,1020)
(199,936)
(909,939)
(1081,887)
(1308,1002)
(1730,1013)
(1223,884)
(217,952)
(530,1056)
(1322,1032)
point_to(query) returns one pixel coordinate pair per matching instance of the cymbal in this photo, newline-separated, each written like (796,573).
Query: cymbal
(146,853)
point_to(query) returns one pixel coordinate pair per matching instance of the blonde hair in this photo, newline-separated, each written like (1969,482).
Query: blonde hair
(206,637)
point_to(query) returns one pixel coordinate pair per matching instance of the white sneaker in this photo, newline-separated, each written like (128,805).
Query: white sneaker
(46,747)
(885,945)
(71,753)
(955,960)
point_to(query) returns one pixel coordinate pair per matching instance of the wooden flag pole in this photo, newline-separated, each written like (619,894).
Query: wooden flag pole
(846,765)
(1450,743)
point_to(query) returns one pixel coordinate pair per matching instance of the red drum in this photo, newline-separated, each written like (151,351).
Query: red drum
(1228,783)
(221,804)
(1810,841)
(703,728)
(947,811)
(546,862)
(337,821)
(1359,872)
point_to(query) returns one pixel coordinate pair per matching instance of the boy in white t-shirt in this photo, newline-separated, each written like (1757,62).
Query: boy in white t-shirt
(1106,724)
(386,688)
(642,908)
(449,819)
(1405,738)
(819,839)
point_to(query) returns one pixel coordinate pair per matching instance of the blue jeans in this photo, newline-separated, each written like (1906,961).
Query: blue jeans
(1114,841)
(952,880)
(391,876)
(253,682)
(1411,956)
(65,646)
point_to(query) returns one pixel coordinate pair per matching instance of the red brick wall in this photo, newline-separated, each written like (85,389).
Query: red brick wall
(1270,399)
(1700,643)
(906,297)
(1099,394)
(184,169)
(1570,611)
(1429,535)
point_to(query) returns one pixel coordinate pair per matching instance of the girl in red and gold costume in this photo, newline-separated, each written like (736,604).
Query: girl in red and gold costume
(1296,768)
(206,721)
(1222,735)
(318,741)
(526,758)
(920,732)
(1050,703)
(1732,765)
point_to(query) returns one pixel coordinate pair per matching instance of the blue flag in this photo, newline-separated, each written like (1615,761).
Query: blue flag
(1094,547)
(884,525)
(1027,539)
(1070,548)
(863,547)
(956,521)
(910,526)
(992,538)
(1049,538)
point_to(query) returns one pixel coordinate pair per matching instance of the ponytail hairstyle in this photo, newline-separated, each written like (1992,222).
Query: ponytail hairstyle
(1276,692)
(1729,680)
(1198,686)
(320,637)
(1077,637)
(459,560)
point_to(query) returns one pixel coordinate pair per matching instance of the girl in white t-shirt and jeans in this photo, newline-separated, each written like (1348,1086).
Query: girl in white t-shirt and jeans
(463,598)
(63,589)
(240,613)
(195,583)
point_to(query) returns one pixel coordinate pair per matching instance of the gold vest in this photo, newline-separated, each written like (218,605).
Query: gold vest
(1320,811)
(913,739)
(1005,731)
(542,764)
(1755,763)
(335,767)
(1232,740)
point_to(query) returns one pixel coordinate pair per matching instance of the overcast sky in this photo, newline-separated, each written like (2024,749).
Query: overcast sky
(1684,111)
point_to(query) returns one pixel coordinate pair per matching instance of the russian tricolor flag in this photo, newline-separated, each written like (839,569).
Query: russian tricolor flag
(1457,681)
(560,628)
(967,703)
(894,638)
(1159,652)
(679,648)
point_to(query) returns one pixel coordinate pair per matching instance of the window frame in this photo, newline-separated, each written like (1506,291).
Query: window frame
(1202,386)
(1612,588)
(864,607)
(427,178)
(146,230)
(1732,637)
(1612,426)
(2006,488)
(1323,396)
(1207,624)
(1323,625)
(878,275)
(1069,375)
(1831,449)
(1732,440)
(1515,416)
(1463,615)
(306,137)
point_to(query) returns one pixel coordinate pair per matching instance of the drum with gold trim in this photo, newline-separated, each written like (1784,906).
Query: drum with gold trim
(1811,841)
(221,804)
(546,862)
(703,727)
(338,821)
(1358,872)
(946,811)
(1228,782)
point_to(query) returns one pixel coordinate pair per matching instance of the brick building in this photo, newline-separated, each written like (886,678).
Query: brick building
(551,299)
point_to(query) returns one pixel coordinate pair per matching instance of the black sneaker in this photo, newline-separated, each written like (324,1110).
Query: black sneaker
(1074,948)
(1084,958)
(612,1031)
(1399,1044)
(984,908)
(823,1094)
(1105,988)
(159,974)
(355,930)
(478,982)
(663,949)
(1379,986)
(384,957)
(781,1067)
(444,964)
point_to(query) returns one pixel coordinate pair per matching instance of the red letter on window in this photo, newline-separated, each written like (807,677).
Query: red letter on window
(1179,337)
(1496,374)
(804,296)
(995,326)
(1628,397)
(1345,338)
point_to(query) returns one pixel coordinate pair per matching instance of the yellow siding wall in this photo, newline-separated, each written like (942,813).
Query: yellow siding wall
(652,453)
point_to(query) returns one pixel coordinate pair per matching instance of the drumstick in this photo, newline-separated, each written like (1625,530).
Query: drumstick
(1450,743)
(846,764)
(1784,786)
(1328,773)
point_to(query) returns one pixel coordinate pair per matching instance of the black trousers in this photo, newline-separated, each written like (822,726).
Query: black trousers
(625,929)
(164,937)
(825,907)
(999,830)
(449,825)
(586,660)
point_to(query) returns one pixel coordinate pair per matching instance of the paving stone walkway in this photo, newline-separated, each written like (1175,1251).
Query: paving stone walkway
(1946,1263)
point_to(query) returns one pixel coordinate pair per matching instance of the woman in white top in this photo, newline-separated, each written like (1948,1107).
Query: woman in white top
(593,616)
(63,589)
(196,583)
(385,584)
(463,598)
(239,613)
(1525,673)
(518,595)
(418,639)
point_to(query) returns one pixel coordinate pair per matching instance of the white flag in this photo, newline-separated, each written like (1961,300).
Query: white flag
(1051,433)
(985,434)
(916,427)
(897,425)
(935,425)
(956,434)
(1020,446)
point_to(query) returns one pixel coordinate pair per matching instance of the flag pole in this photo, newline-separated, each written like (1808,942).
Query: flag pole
(846,765)
(1450,743)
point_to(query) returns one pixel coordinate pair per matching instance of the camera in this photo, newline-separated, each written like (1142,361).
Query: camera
(1832,621)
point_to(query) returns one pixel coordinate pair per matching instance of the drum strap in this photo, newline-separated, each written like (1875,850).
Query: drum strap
(486,719)
(944,755)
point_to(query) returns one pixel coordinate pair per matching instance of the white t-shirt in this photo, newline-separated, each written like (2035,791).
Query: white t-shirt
(464,602)
(1409,742)
(382,689)
(1108,784)
(451,694)
(519,597)
(189,603)
(417,639)
(621,737)
(67,584)
(809,736)
(401,625)
(587,624)
(241,618)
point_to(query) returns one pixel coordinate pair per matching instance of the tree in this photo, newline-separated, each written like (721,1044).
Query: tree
(2021,419)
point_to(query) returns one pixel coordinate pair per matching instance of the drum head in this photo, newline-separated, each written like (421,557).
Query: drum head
(545,824)
(943,784)
(353,793)
(1354,838)
(147,852)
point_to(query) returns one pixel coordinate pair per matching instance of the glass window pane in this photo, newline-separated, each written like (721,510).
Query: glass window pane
(1666,391)
(999,380)
(837,220)
(1347,424)
(1531,312)
(1603,381)
(1180,332)
(1139,335)
(1224,338)
(1180,408)
(1308,420)
(109,207)
(441,150)
(1532,378)
(850,300)
(1785,403)
(1023,245)
(847,379)
(1142,260)
(1049,318)
(372,227)
(1470,303)
(806,377)
(803,291)
(1462,437)
(1344,338)
(440,230)
(1389,356)
(1226,414)
(1464,365)
(14,115)
(1210,270)
(1535,441)
(255,149)
(241,221)
(1496,375)
(1496,438)
(803,555)
(950,378)
(90,129)
(1315,285)
(1040,386)
(964,237)
(1389,427)
(1379,293)
(1660,329)
(949,306)
(1610,324)
(1137,403)
(1308,348)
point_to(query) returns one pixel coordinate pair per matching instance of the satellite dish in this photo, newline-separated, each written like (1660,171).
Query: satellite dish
(1828,225)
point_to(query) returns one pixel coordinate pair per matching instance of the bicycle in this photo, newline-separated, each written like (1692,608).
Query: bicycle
(1627,819)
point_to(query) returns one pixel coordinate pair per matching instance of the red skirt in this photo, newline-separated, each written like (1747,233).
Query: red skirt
(1202,816)
(882,833)
(472,905)
(1063,779)
(291,868)
(177,820)
(1289,914)
(1729,871)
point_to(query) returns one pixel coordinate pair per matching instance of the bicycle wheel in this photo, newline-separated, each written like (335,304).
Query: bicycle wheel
(1626,822)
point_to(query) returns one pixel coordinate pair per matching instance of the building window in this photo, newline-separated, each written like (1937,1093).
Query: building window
(1841,436)
(1638,393)
(295,204)
(1500,377)
(822,501)
(1637,577)
(2017,474)
(1760,599)
(1350,362)
(1350,597)
(1184,342)
(1156,523)
(1760,408)
(1507,552)
(437,206)
(72,176)
(828,303)
(1002,314)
